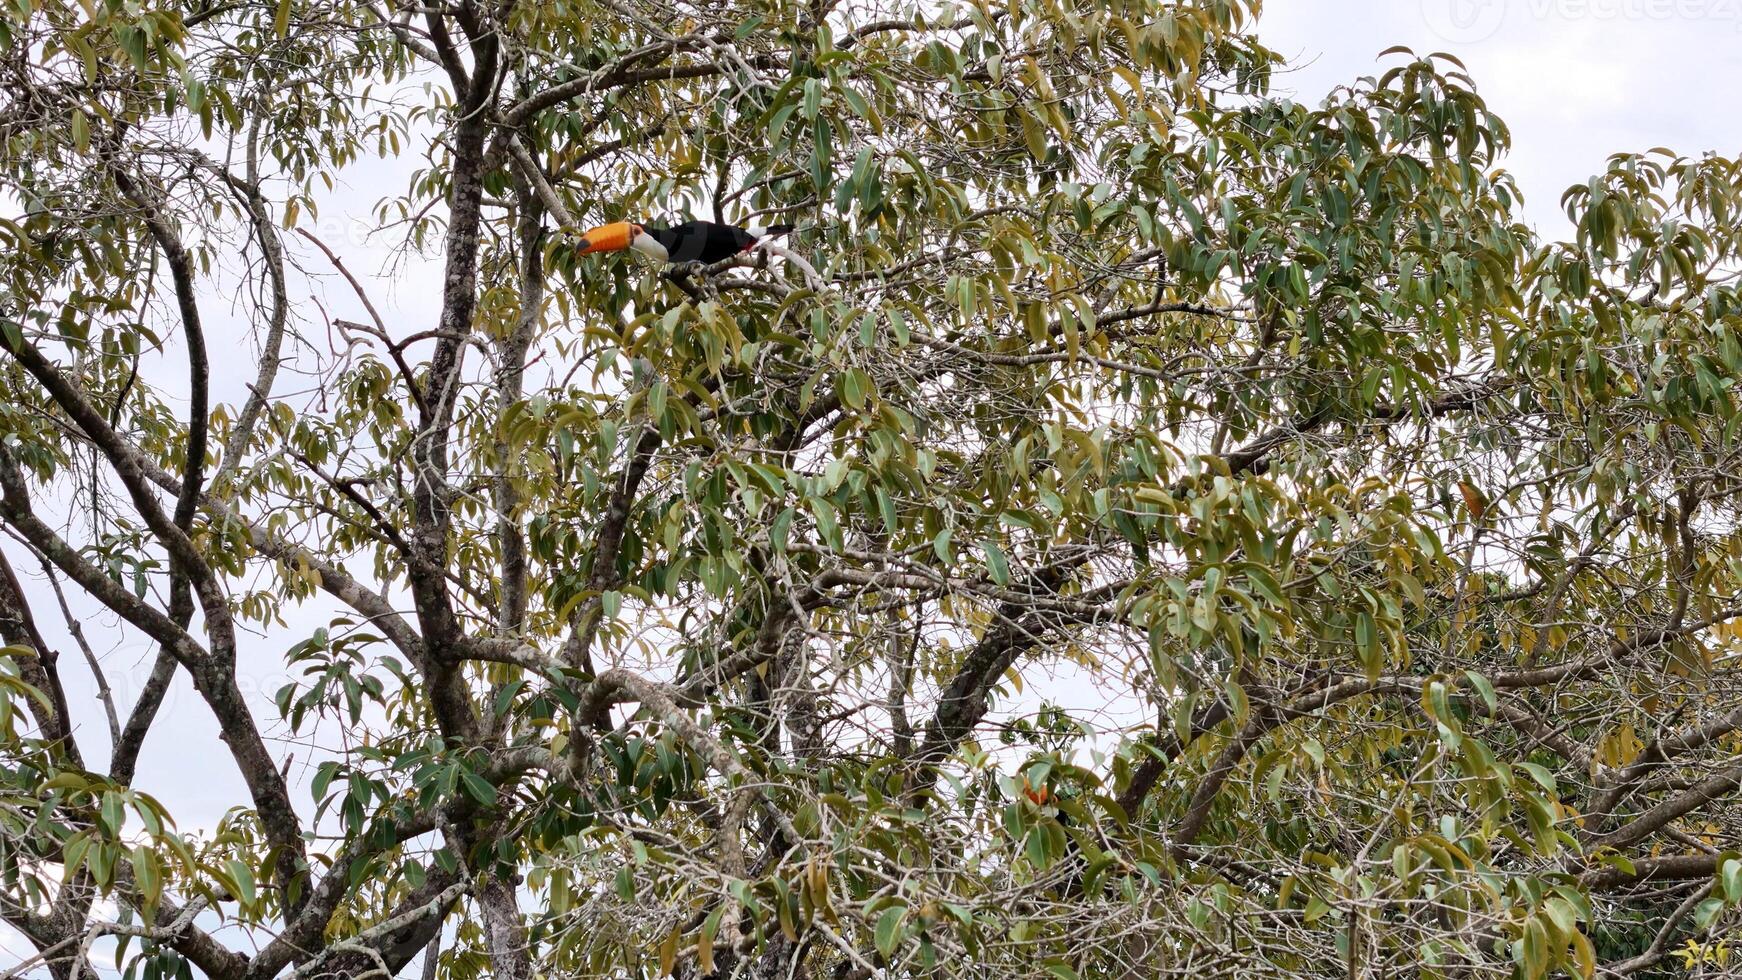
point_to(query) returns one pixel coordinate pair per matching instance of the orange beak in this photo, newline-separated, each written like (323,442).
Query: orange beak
(613,237)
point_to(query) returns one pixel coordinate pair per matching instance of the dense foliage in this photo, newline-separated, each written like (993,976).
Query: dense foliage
(1139,526)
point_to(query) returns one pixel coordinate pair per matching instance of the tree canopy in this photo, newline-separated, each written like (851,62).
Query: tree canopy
(1138,526)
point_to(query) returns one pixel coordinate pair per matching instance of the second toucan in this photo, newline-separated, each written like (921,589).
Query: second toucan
(692,241)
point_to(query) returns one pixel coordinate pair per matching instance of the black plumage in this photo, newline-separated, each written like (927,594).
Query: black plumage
(710,241)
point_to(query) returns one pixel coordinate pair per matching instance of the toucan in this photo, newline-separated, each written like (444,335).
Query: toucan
(692,241)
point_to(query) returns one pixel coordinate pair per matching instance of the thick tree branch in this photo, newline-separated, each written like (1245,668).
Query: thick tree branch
(38,666)
(213,673)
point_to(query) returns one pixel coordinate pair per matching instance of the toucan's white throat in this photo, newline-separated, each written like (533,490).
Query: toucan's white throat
(649,246)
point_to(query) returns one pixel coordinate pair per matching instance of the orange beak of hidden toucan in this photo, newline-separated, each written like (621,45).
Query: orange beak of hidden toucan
(614,237)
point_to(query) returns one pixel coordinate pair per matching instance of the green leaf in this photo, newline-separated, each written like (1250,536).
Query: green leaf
(112,814)
(505,697)
(1730,878)
(941,546)
(705,942)
(828,522)
(856,388)
(1536,948)
(147,875)
(1540,774)
(243,878)
(476,787)
(889,930)
(1486,689)
(1367,644)
(323,778)
(996,564)
(779,530)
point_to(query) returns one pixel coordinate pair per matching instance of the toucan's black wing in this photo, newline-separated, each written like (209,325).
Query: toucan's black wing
(702,241)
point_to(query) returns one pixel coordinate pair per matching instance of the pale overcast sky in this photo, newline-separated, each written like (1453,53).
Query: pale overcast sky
(1575,79)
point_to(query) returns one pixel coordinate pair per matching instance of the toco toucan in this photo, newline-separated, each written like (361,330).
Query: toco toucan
(692,241)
